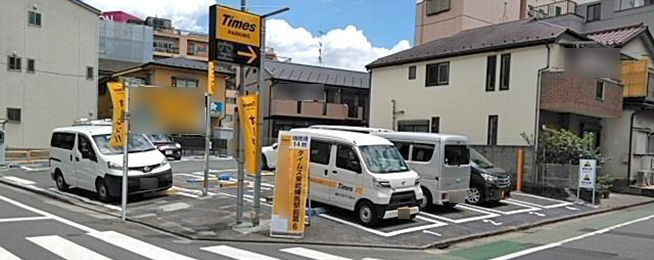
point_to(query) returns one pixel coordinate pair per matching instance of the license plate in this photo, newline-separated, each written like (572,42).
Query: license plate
(404,213)
(149,183)
(169,152)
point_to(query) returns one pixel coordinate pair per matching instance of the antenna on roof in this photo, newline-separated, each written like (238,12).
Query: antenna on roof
(504,16)
(320,47)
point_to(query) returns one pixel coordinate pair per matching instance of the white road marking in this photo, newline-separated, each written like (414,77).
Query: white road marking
(137,246)
(492,222)
(512,212)
(432,233)
(86,200)
(572,208)
(65,248)
(560,243)
(463,220)
(311,254)
(537,214)
(29,169)
(2,220)
(6,255)
(190,195)
(47,214)
(19,180)
(174,207)
(563,204)
(236,253)
(389,234)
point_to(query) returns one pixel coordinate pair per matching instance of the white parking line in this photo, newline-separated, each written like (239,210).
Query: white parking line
(236,253)
(65,248)
(389,234)
(6,255)
(560,243)
(563,204)
(4,220)
(463,220)
(19,180)
(312,254)
(512,212)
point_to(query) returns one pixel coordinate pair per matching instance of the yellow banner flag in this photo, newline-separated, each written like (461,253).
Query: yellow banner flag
(248,107)
(118,96)
(291,186)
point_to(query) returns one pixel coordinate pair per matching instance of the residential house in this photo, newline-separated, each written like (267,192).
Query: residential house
(328,96)
(494,84)
(48,76)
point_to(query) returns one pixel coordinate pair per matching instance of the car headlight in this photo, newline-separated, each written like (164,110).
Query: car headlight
(114,166)
(179,146)
(488,177)
(164,162)
(382,183)
(417,182)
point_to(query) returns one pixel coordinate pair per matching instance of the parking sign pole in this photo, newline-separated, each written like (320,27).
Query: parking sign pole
(207,145)
(123,201)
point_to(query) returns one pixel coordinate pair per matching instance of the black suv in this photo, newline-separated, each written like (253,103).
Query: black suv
(166,145)
(487,182)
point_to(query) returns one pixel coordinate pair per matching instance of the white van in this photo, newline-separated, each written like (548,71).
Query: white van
(442,161)
(81,156)
(362,173)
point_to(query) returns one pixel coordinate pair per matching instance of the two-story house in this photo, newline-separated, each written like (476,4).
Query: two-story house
(494,84)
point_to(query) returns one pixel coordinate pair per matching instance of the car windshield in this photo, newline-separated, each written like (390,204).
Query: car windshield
(457,155)
(480,160)
(383,159)
(137,143)
(160,138)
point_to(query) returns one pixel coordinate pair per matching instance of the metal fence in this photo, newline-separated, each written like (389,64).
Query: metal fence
(194,144)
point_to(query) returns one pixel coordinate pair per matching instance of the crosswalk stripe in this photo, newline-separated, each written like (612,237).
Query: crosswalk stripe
(19,180)
(236,253)
(65,249)
(312,254)
(137,246)
(6,255)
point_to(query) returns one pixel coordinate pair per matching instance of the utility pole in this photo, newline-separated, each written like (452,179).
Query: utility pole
(239,144)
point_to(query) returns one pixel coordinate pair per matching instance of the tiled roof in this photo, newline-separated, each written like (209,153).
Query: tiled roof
(316,74)
(617,36)
(111,66)
(488,38)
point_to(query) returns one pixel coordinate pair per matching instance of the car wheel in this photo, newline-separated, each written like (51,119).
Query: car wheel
(178,158)
(102,191)
(474,196)
(366,214)
(264,163)
(61,183)
(427,202)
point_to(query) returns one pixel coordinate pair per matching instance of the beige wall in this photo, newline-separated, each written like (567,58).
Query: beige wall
(463,106)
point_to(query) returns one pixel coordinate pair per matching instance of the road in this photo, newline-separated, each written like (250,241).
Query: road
(36,227)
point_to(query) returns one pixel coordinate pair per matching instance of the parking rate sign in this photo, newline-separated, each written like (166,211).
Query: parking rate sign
(234,36)
(587,173)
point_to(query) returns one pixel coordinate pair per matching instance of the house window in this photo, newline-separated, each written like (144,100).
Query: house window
(650,144)
(436,124)
(438,74)
(34,18)
(13,63)
(492,130)
(30,66)
(412,72)
(421,126)
(650,84)
(505,71)
(89,73)
(593,12)
(185,83)
(437,6)
(231,100)
(13,115)
(628,4)
(491,68)
(599,90)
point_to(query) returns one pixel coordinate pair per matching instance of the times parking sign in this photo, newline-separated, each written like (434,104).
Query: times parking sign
(234,36)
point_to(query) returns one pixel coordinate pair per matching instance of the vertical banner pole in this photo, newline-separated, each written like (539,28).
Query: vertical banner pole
(257,175)
(207,144)
(123,201)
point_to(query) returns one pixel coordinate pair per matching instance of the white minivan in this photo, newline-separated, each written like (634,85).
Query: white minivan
(442,161)
(81,156)
(362,173)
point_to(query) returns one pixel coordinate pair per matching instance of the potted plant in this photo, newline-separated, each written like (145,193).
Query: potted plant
(604,184)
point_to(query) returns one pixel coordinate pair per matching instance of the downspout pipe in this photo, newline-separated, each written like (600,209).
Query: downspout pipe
(631,143)
(537,112)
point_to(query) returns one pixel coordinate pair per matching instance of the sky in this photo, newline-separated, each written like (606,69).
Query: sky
(353,32)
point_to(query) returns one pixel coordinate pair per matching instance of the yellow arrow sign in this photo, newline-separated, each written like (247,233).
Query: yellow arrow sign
(252,54)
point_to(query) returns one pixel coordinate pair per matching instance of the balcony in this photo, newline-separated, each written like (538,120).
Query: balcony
(580,96)
(313,109)
(553,9)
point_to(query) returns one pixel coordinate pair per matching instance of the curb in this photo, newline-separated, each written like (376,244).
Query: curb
(437,245)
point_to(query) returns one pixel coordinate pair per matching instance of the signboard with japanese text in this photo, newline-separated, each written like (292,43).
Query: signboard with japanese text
(291,186)
(248,107)
(118,98)
(166,110)
(587,173)
(234,36)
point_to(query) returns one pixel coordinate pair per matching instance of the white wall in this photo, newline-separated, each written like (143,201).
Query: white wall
(464,105)
(64,45)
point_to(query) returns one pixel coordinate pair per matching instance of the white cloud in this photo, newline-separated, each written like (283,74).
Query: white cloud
(183,13)
(342,47)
